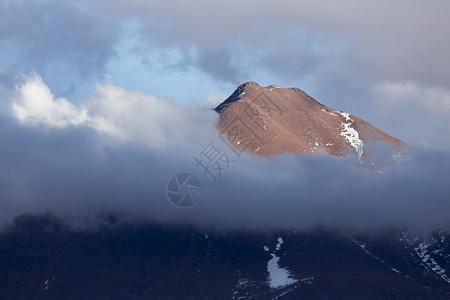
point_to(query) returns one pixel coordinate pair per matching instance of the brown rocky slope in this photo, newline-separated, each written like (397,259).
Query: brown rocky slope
(272,120)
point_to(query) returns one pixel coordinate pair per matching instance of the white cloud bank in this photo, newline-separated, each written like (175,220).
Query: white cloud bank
(112,110)
(36,104)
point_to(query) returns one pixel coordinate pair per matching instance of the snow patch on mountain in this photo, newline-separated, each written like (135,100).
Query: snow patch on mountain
(426,254)
(278,276)
(48,282)
(279,243)
(330,113)
(422,252)
(350,134)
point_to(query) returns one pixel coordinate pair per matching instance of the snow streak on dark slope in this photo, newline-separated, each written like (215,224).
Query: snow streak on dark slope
(40,258)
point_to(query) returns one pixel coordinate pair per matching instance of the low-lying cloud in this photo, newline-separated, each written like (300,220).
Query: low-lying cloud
(117,151)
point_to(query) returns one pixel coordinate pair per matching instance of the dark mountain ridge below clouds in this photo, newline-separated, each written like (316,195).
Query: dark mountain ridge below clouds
(42,258)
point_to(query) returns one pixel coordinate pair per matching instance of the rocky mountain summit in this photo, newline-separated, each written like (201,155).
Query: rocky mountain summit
(272,120)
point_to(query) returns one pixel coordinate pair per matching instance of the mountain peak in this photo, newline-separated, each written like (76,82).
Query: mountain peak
(272,120)
(243,90)
(250,84)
